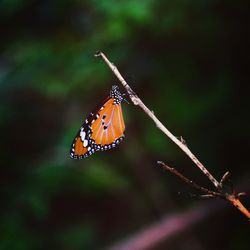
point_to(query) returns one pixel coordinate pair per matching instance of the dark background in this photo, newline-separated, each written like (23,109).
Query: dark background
(187,60)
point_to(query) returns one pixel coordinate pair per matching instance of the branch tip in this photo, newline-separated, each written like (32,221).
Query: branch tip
(241,194)
(98,53)
(160,163)
(224,178)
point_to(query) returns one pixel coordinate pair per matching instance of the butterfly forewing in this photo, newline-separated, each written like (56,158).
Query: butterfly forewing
(118,120)
(109,126)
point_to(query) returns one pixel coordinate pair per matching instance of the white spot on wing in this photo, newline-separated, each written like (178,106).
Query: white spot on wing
(82,134)
(85,143)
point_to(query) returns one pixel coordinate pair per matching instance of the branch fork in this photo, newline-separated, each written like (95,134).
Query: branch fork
(232,197)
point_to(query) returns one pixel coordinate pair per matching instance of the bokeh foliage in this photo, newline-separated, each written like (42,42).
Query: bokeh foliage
(188,61)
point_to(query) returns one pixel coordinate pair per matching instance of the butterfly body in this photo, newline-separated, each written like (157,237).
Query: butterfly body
(102,130)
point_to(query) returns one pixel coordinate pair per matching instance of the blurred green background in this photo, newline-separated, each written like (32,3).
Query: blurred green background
(189,62)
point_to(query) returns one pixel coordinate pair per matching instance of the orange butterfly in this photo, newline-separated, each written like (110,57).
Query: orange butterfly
(102,130)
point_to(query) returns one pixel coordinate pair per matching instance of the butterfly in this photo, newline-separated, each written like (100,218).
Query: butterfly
(103,129)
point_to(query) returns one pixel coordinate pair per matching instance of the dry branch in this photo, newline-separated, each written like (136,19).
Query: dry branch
(189,182)
(232,198)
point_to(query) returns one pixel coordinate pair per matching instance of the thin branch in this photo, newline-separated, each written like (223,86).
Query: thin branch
(224,178)
(170,226)
(232,198)
(137,101)
(189,182)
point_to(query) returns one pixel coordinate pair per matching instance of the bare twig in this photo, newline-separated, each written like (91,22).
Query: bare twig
(189,182)
(232,198)
(224,178)
(137,101)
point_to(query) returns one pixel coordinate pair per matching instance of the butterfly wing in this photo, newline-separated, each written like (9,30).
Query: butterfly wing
(77,149)
(82,146)
(108,129)
(102,130)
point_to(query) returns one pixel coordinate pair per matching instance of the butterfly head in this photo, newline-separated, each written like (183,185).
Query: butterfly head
(116,94)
